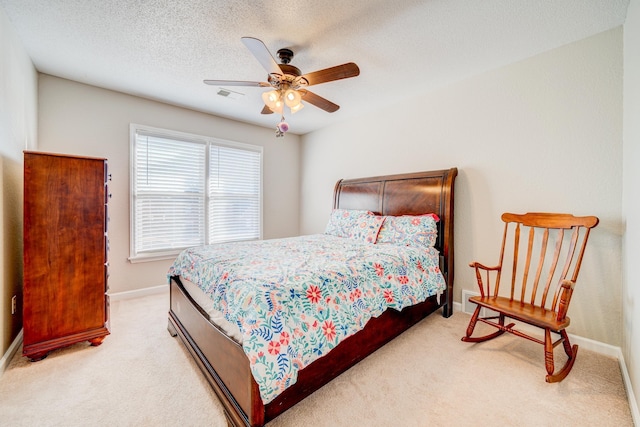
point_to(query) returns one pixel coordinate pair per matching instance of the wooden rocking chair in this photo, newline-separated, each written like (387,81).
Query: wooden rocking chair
(558,266)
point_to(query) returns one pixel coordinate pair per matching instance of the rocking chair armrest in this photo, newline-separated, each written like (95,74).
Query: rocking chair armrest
(479,266)
(567,284)
(565,298)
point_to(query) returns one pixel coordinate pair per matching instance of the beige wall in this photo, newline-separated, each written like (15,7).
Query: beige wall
(18,130)
(543,134)
(85,120)
(630,200)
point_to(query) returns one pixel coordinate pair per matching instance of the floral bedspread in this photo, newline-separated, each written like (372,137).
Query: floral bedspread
(295,299)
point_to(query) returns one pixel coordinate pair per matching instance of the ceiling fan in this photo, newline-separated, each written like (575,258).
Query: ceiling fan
(288,83)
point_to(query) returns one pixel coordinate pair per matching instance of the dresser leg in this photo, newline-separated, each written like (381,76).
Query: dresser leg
(36,357)
(96,341)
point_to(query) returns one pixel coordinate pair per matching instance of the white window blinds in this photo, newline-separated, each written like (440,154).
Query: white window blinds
(189,191)
(234,194)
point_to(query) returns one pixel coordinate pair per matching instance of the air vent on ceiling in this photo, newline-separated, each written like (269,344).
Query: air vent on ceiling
(231,94)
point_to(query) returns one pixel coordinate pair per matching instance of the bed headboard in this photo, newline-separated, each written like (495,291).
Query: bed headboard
(408,194)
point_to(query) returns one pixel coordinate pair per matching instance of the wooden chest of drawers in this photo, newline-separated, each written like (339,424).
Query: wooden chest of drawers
(65,252)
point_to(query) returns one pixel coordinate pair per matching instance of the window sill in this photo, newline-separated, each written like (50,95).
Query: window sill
(151,258)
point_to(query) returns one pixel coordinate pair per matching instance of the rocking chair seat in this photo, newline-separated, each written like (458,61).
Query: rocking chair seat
(523,312)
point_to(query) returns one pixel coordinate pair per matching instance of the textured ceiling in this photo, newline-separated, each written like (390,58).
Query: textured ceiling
(162,49)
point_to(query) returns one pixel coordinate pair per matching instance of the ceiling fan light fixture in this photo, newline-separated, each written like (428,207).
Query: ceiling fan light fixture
(271,98)
(292,98)
(299,106)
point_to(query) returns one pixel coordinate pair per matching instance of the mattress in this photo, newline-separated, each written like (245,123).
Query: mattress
(215,316)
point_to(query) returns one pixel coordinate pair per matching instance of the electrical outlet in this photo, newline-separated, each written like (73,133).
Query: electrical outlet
(13,304)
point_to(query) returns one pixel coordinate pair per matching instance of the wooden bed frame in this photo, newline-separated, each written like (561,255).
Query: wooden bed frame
(224,362)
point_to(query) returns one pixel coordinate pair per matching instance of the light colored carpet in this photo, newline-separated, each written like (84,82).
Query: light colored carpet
(141,376)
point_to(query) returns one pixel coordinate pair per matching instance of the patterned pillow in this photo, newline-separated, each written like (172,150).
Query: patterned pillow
(410,230)
(367,228)
(342,222)
(354,224)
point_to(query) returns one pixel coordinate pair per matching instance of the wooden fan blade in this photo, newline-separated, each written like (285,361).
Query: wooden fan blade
(266,110)
(236,83)
(318,101)
(260,51)
(338,72)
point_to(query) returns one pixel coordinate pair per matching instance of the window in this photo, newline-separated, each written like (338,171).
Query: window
(189,190)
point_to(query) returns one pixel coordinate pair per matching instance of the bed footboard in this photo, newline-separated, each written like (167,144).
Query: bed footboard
(221,359)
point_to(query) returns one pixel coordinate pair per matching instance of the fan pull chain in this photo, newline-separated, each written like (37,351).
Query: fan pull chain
(281,127)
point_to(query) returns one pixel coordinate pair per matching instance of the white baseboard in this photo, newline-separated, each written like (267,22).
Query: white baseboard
(154,290)
(631,397)
(11,351)
(607,350)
